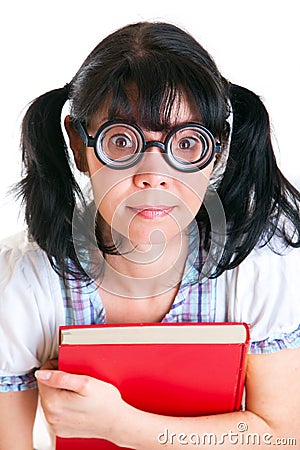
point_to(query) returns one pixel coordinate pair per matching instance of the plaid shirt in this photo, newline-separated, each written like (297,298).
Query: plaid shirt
(195,302)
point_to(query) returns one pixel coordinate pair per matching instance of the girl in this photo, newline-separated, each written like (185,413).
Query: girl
(186,218)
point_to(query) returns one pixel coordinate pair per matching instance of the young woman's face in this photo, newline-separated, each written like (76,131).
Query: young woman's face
(150,202)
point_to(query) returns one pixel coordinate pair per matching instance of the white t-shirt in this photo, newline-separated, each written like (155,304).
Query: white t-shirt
(262,291)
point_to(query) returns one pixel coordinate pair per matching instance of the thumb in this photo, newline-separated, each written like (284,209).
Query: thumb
(62,380)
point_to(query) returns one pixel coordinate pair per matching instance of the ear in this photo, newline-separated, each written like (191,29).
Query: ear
(77,145)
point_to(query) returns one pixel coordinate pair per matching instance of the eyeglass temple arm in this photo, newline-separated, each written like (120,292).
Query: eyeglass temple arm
(87,139)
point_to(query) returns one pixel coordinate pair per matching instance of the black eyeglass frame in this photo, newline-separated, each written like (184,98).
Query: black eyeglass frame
(183,166)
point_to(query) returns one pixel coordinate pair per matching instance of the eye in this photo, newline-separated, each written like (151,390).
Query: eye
(186,143)
(121,141)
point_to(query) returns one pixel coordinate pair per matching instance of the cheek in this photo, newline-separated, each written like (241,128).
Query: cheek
(192,188)
(109,198)
(113,189)
(109,186)
(106,207)
(92,162)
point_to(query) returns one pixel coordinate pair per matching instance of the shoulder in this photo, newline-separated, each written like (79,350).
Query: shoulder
(272,269)
(26,271)
(23,261)
(18,246)
(30,304)
(263,291)
(264,261)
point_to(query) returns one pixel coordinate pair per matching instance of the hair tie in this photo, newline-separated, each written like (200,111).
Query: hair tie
(67,88)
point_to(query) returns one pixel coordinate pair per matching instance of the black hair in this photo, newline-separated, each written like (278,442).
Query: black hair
(162,62)
(259,202)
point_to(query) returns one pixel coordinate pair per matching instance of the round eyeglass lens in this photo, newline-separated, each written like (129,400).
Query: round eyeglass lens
(191,145)
(119,143)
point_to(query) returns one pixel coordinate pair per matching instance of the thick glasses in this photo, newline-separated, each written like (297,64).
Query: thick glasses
(119,145)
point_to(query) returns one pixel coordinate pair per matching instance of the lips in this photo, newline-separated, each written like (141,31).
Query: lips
(151,212)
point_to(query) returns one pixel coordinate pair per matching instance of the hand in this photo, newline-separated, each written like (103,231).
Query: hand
(78,405)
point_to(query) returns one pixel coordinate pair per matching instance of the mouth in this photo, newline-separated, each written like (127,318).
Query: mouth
(151,212)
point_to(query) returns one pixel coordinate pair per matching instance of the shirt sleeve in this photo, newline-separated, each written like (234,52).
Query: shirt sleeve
(263,292)
(31,309)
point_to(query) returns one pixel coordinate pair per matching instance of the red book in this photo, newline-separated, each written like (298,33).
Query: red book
(176,369)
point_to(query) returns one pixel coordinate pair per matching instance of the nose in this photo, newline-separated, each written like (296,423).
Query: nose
(152,170)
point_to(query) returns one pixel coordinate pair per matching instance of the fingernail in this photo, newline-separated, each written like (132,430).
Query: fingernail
(42,374)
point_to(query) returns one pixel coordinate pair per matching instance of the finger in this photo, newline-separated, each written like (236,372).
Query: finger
(63,380)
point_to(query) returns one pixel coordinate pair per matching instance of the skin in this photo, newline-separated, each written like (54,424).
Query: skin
(72,402)
(73,408)
(18,408)
(82,406)
(153,242)
(119,193)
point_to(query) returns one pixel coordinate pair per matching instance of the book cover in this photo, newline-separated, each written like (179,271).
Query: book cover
(176,369)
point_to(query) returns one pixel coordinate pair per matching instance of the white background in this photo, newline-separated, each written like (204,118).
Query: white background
(255,43)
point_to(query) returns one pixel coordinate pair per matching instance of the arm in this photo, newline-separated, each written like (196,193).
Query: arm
(29,303)
(273,409)
(17,418)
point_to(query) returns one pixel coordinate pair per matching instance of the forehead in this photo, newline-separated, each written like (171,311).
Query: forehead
(174,111)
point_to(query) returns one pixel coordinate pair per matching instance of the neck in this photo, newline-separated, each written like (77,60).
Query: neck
(142,271)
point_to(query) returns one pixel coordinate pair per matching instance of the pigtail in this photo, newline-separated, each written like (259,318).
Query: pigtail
(48,188)
(258,200)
